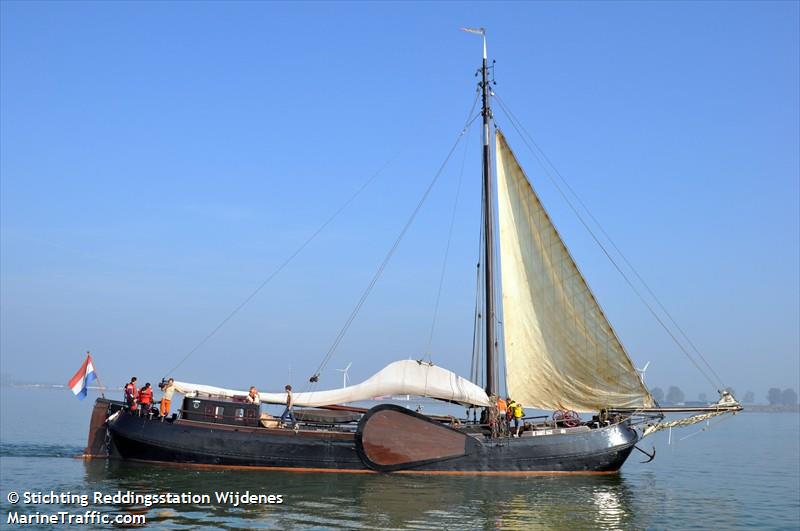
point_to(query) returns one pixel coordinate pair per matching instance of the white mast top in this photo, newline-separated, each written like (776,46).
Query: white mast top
(481,32)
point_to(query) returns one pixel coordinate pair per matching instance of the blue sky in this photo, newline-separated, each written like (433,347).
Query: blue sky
(159,160)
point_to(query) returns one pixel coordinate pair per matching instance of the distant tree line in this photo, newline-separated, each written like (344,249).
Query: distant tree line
(775,397)
(674,395)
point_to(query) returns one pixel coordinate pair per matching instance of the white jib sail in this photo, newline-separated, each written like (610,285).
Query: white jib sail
(561,352)
(406,377)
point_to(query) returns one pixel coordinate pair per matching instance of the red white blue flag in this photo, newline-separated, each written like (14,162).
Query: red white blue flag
(80,382)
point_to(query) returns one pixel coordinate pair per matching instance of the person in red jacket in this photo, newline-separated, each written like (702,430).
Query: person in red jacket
(131,394)
(146,398)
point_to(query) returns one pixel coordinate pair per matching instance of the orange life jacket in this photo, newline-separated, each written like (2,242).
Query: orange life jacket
(146,396)
(130,391)
(501,406)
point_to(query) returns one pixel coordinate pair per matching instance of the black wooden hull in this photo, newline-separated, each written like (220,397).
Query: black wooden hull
(601,450)
(134,437)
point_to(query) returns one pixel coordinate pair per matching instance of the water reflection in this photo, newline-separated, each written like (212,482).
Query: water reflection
(604,502)
(354,501)
(743,474)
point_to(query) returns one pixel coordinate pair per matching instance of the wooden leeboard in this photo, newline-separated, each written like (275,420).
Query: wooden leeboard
(390,437)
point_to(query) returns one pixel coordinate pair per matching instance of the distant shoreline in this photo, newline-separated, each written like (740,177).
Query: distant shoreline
(55,386)
(748,408)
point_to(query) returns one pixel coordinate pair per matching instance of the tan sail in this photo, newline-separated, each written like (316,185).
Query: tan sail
(561,352)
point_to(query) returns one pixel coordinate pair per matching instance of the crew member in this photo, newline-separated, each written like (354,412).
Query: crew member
(131,394)
(501,416)
(146,398)
(518,414)
(252,397)
(288,413)
(166,400)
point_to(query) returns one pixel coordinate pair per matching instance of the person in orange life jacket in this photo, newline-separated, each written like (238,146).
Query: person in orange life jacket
(131,394)
(288,413)
(502,423)
(146,398)
(166,401)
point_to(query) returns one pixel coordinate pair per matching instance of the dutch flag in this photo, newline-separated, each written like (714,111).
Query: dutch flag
(80,382)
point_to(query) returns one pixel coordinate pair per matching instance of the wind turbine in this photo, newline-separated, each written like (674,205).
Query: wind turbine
(642,370)
(344,374)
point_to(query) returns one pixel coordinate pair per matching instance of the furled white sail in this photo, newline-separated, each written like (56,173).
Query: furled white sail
(561,352)
(406,377)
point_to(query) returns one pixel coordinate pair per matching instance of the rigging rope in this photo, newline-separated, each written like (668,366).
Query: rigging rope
(477,332)
(618,250)
(449,240)
(284,263)
(680,423)
(497,302)
(707,427)
(513,120)
(315,377)
(474,373)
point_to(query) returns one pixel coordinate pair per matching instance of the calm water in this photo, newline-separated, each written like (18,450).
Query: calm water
(743,473)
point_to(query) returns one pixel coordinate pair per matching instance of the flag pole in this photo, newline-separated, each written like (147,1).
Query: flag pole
(102,387)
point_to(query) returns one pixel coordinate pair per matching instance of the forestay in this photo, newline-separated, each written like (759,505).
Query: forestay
(406,377)
(561,352)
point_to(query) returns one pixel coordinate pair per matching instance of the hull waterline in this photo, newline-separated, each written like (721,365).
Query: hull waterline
(185,442)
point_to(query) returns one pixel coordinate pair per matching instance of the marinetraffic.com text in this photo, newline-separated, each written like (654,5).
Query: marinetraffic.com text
(146,499)
(53,508)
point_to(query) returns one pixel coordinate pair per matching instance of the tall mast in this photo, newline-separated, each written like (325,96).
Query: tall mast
(488,222)
(488,234)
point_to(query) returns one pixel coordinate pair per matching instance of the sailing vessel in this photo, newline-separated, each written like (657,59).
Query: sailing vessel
(560,352)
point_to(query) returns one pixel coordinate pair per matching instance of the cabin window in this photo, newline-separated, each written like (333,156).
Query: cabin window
(209,411)
(251,413)
(219,412)
(239,414)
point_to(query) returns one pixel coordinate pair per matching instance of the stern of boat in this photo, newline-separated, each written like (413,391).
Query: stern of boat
(97,442)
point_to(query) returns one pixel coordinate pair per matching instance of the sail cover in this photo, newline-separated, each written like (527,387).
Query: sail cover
(406,377)
(561,352)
